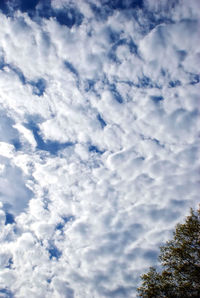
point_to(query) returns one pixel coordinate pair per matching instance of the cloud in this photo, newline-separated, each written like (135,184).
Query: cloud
(13,190)
(98,141)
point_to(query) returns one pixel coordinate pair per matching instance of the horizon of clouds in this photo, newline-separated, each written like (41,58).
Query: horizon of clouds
(99,141)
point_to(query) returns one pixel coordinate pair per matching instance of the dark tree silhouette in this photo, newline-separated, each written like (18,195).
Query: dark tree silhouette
(180,260)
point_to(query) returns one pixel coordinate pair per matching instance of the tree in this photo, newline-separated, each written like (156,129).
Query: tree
(180,260)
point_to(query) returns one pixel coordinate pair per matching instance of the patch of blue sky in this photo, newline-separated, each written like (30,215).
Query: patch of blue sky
(9,218)
(43,10)
(120,42)
(181,55)
(116,94)
(18,72)
(121,4)
(101,12)
(112,35)
(51,146)
(4,7)
(71,68)
(131,45)
(65,219)
(157,142)
(194,79)
(17,144)
(101,120)
(146,82)
(2,62)
(129,83)
(143,137)
(175,83)
(26,6)
(89,85)
(112,53)
(113,57)
(141,158)
(60,226)
(6,293)
(54,252)
(39,86)
(156,98)
(67,16)
(95,149)
(68,218)
(9,264)
(153,20)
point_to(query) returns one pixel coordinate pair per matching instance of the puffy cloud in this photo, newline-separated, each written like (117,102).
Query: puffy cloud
(14,192)
(99,149)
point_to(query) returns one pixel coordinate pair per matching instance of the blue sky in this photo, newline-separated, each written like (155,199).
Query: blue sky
(99,141)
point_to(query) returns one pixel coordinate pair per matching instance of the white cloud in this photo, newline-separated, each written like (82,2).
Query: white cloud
(88,217)
(6,149)
(26,134)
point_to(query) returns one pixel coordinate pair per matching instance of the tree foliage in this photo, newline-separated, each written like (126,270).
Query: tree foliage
(180,260)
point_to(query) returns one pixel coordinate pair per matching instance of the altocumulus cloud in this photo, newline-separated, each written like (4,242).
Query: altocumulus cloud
(99,154)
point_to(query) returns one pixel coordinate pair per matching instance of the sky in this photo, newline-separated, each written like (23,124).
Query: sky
(99,141)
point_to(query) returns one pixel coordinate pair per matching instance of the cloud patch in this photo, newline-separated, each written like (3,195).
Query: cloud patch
(99,153)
